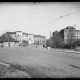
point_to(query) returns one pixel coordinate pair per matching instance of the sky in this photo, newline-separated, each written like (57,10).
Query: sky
(38,18)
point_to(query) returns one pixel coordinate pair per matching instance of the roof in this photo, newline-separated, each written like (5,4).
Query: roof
(5,39)
(56,32)
(38,36)
(69,27)
(11,32)
(30,34)
(18,31)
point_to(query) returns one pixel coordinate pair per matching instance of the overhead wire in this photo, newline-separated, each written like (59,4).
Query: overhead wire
(39,28)
(60,18)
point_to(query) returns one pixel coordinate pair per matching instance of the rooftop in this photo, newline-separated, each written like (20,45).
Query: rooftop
(5,39)
(11,32)
(69,27)
(25,33)
(18,31)
(38,36)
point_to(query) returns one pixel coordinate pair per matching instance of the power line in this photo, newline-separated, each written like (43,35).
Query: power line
(39,28)
(60,18)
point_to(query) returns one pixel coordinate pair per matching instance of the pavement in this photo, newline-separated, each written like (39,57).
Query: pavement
(57,49)
(66,50)
(43,63)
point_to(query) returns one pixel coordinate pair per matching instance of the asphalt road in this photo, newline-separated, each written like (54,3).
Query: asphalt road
(41,62)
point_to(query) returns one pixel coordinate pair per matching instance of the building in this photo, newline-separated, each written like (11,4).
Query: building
(75,32)
(19,36)
(7,41)
(12,34)
(24,36)
(39,39)
(30,38)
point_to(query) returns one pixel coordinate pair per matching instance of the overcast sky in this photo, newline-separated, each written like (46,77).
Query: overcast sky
(38,18)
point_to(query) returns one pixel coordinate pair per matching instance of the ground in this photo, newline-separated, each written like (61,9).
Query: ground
(40,62)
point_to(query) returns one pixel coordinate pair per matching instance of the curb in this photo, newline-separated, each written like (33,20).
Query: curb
(67,51)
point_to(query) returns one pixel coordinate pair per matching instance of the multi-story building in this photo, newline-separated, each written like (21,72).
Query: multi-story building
(19,36)
(24,36)
(31,38)
(76,33)
(40,39)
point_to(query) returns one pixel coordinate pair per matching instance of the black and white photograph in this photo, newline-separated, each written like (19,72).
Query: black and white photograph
(39,39)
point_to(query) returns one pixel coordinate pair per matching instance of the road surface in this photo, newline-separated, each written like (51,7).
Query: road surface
(42,63)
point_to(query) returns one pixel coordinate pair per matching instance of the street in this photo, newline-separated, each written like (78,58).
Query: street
(43,62)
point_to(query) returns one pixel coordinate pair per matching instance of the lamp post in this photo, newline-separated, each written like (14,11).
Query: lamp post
(8,40)
(50,39)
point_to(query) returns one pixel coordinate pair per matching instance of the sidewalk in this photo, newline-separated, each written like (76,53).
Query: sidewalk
(66,50)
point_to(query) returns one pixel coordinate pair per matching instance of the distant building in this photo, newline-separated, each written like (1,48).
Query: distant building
(24,36)
(12,34)
(19,36)
(65,32)
(39,38)
(62,33)
(30,38)
(7,40)
(77,34)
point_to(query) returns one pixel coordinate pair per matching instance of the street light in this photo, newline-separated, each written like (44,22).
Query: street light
(50,39)
(8,40)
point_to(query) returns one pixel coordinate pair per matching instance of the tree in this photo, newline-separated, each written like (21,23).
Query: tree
(7,38)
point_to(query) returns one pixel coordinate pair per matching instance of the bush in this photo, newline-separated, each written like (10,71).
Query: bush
(67,46)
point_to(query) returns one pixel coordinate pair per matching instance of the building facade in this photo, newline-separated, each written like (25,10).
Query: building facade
(75,32)
(30,38)
(39,39)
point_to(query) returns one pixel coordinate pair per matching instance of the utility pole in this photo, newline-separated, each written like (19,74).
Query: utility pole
(45,43)
(8,40)
(50,39)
